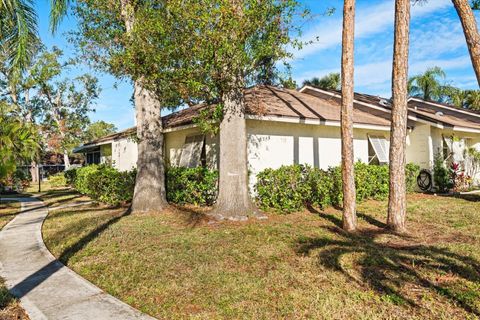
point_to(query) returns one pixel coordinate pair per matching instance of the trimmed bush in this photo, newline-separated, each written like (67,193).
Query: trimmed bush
(105,184)
(57,180)
(70,176)
(292,188)
(196,186)
(283,189)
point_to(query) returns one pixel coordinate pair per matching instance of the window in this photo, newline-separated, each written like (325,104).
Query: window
(192,151)
(377,150)
(93,157)
(446,147)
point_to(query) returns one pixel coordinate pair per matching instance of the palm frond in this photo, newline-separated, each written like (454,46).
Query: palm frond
(58,11)
(19,36)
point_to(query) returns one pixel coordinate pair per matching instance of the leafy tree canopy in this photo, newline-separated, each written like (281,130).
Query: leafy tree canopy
(188,50)
(98,129)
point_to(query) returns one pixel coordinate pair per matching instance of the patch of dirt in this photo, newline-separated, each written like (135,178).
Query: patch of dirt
(13,312)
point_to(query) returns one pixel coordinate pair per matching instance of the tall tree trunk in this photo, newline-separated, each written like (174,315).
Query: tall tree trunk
(470,30)
(149,194)
(397,202)
(348,174)
(66,160)
(233,201)
(31,120)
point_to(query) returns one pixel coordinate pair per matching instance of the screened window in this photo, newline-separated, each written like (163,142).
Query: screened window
(192,151)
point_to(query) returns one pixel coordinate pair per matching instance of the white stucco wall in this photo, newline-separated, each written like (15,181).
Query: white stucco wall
(175,140)
(273,144)
(124,154)
(420,146)
(106,153)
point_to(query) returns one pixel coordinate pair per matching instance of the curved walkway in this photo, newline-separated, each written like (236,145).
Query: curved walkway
(46,288)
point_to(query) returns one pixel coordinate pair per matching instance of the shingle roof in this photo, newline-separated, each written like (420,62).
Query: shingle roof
(114,136)
(447,115)
(273,101)
(320,105)
(441,113)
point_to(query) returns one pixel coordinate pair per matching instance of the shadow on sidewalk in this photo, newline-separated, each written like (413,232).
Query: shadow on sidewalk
(38,277)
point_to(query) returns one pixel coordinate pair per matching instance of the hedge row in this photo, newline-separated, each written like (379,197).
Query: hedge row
(103,183)
(287,189)
(184,185)
(291,188)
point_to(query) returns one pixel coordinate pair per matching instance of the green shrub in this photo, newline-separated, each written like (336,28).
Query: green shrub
(284,189)
(57,180)
(442,176)
(196,186)
(70,176)
(412,171)
(105,184)
(291,188)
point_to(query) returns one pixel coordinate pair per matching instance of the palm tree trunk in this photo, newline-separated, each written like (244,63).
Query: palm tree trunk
(348,174)
(149,194)
(233,201)
(397,201)
(470,30)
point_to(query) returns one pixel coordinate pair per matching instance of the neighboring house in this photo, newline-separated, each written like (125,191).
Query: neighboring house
(118,149)
(303,127)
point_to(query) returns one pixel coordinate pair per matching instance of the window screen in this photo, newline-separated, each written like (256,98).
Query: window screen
(192,151)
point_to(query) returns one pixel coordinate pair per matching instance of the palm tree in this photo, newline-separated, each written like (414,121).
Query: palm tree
(18,142)
(348,174)
(427,85)
(397,203)
(18,30)
(329,82)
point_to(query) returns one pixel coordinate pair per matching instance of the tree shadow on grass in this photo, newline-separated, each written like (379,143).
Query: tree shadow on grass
(192,217)
(392,268)
(472,197)
(85,240)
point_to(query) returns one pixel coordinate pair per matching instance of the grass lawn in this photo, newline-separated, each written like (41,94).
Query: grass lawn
(9,307)
(181,265)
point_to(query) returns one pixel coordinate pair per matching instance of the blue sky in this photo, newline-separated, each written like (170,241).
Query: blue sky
(436,40)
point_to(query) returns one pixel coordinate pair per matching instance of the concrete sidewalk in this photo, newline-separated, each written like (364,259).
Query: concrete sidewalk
(46,288)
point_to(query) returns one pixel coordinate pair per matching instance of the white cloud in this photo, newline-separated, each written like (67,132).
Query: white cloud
(370,20)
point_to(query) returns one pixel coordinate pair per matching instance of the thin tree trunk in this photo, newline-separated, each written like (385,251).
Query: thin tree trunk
(29,118)
(149,194)
(233,201)
(66,160)
(470,30)
(348,174)
(397,202)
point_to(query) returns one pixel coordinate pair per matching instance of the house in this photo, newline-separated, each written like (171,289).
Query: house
(118,149)
(303,127)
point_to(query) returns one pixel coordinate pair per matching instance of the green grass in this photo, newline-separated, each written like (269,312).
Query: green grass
(8,210)
(180,265)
